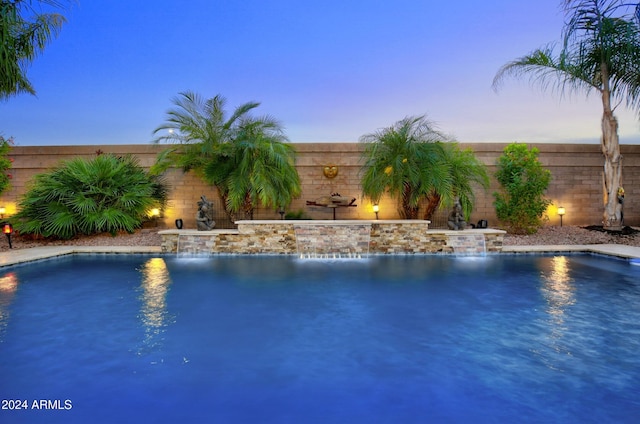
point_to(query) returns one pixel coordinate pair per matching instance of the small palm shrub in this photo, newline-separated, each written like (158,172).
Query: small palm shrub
(105,194)
(414,163)
(521,203)
(247,158)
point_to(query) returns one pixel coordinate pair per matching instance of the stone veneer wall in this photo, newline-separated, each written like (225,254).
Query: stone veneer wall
(280,237)
(576,183)
(326,238)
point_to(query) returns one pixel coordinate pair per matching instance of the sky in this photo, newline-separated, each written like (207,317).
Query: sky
(328,70)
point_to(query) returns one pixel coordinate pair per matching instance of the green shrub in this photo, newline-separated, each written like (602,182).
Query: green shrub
(105,194)
(299,214)
(5,164)
(521,204)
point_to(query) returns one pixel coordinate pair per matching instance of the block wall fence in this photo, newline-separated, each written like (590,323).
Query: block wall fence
(576,181)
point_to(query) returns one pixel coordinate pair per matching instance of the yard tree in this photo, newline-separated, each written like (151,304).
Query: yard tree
(25,32)
(600,52)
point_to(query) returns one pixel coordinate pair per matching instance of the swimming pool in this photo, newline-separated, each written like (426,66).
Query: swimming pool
(266,339)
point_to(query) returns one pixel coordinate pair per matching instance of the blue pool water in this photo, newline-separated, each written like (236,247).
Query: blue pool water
(527,339)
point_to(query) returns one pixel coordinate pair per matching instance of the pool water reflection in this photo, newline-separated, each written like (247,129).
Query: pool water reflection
(279,339)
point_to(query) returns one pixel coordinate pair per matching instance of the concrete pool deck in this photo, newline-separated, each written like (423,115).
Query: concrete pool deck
(19,256)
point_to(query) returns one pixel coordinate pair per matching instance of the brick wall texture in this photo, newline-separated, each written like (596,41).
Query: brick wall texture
(576,181)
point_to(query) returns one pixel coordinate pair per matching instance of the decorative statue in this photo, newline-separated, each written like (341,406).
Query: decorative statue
(204,217)
(620,206)
(456,219)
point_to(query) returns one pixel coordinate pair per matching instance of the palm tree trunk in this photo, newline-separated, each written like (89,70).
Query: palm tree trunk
(433,201)
(612,175)
(408,211)
(248,207)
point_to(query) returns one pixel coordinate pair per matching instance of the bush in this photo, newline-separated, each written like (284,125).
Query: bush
(521,204)
(5,164)
(299,214)
(106,194)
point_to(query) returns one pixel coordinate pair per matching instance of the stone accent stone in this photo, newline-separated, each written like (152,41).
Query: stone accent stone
(328,239)
(466,243)
(405,236)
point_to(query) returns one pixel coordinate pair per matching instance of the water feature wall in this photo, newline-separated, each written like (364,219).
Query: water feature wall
(188,244)
(466,244)
(279,237)
(349,239)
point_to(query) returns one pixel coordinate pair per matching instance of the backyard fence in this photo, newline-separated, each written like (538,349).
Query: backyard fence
(576,182)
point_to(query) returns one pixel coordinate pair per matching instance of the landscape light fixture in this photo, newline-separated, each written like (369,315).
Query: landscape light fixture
(153,215)
(281,212)
(561,212)
(7,229)
(376,209)
(2,211)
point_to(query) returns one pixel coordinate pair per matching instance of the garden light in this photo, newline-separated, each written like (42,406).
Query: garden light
(376,209)
(561,212)
(8,230)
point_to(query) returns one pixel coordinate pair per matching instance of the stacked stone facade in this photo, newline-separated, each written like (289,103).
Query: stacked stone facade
(326,239)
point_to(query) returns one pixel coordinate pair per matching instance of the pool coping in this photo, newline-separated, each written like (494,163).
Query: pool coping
(618,250)
(18,256)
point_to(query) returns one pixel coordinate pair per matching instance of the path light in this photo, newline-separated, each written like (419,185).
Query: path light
(154,214)
(376,209)
(281,212)
(8,230)
(561,212)
(3,210)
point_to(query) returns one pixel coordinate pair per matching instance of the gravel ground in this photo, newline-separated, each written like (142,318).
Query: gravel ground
(574,235)
(139,238)
(545,236)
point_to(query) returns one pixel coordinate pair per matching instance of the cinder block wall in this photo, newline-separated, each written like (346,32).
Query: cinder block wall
(576,183)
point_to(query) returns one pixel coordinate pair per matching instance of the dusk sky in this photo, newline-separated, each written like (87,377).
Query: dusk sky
(329,70)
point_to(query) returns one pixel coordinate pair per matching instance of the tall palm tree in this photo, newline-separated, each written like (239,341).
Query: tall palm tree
(24,33)
(246,158)
(413,162)
(600,53)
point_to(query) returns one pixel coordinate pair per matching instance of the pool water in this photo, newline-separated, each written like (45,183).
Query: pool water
(137,338)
